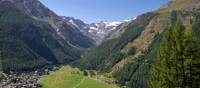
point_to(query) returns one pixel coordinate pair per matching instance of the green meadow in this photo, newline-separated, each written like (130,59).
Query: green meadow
(68,77)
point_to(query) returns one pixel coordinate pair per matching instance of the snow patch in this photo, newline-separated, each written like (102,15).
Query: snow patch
(100,32)
(115,23)
(57,30)
(134,18)
(93,28)
(72,22)
(64,18)
(129,20)
(90,31)
(114,28)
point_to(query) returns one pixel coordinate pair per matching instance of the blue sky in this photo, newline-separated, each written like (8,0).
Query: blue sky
(102,10)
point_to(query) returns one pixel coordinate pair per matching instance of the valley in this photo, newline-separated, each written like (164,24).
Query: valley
(70,77)
(157,49)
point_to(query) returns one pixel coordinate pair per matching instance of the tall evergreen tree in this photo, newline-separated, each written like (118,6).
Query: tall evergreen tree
(177,60)
(162,72)
(192,59)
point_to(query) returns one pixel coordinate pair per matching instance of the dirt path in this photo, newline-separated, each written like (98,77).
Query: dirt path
(89,76)
(80,83)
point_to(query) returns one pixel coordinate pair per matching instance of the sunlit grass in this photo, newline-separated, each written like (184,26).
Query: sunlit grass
(68,77)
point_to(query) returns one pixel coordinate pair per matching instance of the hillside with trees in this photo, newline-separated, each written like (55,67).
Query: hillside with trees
(130,57)
(177,63)
(27,43)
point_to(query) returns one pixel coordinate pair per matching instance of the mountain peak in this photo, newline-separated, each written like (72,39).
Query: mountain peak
(97,31)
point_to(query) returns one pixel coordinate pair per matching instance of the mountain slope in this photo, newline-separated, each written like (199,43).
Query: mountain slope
(104,56)
(186,5)
(39,12)
(130,60)
(27,43)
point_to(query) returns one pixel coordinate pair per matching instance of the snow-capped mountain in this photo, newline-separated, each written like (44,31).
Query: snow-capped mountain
(97,31)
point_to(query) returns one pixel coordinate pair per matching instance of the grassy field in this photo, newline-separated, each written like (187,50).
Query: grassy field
(68,77)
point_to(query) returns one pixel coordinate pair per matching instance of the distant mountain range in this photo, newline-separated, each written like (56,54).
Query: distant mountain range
(97,31)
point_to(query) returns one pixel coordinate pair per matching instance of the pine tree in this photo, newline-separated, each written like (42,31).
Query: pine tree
(177,55)
(164,70)
(160,65)
(177,62)
(192,59)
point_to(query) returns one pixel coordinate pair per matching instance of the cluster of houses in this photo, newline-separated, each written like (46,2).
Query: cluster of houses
(29,79)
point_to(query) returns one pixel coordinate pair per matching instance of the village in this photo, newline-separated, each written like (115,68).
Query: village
(27,79)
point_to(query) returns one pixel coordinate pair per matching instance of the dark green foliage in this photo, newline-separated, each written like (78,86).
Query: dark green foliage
(76,38)
(177,63)
(136,74)
(26,44)
(104,56)
(142,75)
(125,74)
(191,60)
(0,63)
(174,16)
(196,27)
